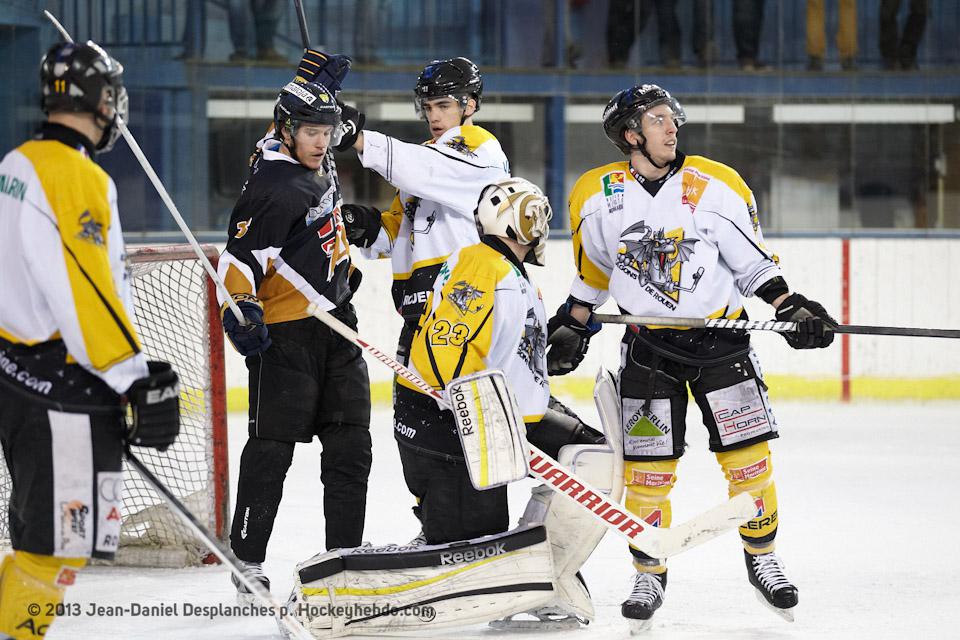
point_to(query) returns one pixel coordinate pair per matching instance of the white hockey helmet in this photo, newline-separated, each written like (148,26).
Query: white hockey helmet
(516,208)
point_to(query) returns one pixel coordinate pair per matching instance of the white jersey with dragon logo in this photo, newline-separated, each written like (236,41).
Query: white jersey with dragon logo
(693,249)
(484,313)
(438,185)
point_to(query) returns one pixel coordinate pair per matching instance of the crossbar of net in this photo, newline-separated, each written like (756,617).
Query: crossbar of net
(171,318)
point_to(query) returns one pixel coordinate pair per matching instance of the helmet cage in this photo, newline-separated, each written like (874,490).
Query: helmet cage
(517,209)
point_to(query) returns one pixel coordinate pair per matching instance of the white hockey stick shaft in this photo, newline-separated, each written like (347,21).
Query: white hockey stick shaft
(220,550)
(654,541)
(164,195)
(774,325)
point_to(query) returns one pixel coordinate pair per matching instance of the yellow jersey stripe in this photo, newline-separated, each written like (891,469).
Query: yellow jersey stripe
(482,435)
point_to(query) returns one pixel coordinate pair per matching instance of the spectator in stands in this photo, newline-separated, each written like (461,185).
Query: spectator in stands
(266,16)
(574,32)
(846,34)
(703,33)
(195,32)
(747,20)
(901,50)
(627,18)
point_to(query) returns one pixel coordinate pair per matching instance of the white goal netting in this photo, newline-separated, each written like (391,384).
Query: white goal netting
(177,321)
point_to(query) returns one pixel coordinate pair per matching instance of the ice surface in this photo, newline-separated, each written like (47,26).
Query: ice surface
(868,533)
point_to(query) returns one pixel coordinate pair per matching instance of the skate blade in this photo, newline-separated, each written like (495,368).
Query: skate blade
(786,614)
(510,624)
(638,627)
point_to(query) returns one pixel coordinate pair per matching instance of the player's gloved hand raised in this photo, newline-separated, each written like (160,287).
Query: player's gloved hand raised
(567,339)
(155,408)
(351,124)
(323,68)
(814,324)
(249,339)
(362,224)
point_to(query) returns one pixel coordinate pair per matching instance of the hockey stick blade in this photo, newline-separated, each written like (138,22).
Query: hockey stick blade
(220,550)
(771,325)
(654,541)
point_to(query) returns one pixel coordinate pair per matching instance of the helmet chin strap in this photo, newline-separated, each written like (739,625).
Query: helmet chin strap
(642,148)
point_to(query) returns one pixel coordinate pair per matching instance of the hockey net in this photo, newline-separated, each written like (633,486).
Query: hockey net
(177,319)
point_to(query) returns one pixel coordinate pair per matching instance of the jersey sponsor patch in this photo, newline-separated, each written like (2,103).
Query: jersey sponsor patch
(109,493)
(66,577)
(651,479)
(749,472)
(303,94)
(739,412)
(613,189)
(692,185)
(647,435)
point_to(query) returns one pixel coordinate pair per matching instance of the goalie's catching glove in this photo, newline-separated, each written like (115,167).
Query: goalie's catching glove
(568,340)
(351,124)
(249,339)
(323,68)
(814,324)
(155,408)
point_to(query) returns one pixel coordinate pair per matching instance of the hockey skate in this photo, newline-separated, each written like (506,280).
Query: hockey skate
(773,589)
(254,572)
(643,601)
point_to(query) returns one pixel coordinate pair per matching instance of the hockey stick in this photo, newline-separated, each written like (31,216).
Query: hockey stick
(302,20)
(654,541)
(771,325)
(220,550)
(162,191)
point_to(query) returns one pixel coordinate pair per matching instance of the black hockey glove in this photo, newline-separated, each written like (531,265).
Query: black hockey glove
(559,427)
(362,224)
(249,339)
(814,324)
(323,68)
(568,340)
(155,408)
(351,124)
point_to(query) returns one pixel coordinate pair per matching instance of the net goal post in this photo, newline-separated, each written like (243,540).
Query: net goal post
(178,320)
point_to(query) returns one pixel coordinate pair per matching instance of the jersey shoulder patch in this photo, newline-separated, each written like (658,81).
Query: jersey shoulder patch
(608,180)
(699,171)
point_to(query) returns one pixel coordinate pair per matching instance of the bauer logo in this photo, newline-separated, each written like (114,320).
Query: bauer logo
(758,503)
(475,553)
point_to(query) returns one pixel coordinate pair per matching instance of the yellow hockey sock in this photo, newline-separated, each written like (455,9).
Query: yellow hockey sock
(31,587)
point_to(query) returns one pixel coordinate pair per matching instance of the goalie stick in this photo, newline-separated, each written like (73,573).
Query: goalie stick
(226,556)
(162,191)
(654,541)
(772,325)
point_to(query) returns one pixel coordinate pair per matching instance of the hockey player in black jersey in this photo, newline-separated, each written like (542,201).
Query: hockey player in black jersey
(287,249)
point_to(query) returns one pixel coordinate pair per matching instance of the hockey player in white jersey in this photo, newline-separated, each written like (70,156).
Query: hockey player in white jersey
(667,234)
(483,313)
(432,216)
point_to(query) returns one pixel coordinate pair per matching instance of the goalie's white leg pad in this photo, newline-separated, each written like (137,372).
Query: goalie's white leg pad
(573,533)
(490,427)
(370,590)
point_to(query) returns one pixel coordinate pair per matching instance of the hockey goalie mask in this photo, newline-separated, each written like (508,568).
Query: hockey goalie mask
(516,208)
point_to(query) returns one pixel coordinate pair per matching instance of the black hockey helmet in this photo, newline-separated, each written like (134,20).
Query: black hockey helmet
(306,103)
(73,77)
(456,78)
(625,109)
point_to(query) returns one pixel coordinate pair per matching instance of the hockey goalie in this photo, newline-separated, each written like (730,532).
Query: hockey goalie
(482,343)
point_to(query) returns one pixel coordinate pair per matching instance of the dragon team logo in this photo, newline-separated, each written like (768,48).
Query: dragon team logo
(463,295)
(655,260)
(533,345)
(459,144)
(90,229)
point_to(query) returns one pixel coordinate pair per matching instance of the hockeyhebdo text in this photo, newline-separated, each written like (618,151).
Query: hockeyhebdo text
(303,610)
